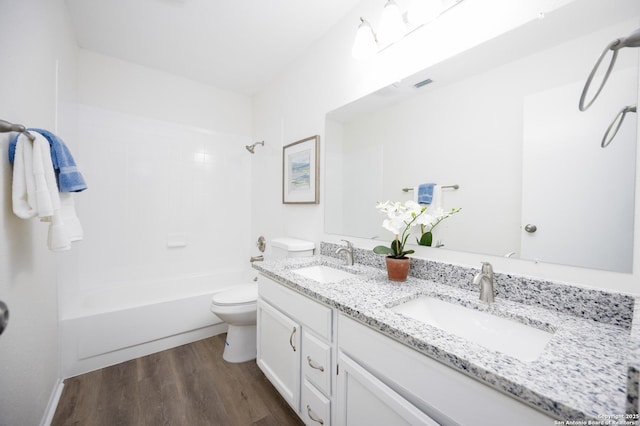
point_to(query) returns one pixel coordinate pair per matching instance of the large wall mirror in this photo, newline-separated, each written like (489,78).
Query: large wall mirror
(502,122)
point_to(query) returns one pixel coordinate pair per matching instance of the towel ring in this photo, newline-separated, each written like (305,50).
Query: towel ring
(615,125)
(587,85)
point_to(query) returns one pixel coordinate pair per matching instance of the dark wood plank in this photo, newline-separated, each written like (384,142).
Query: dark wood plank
(187,385)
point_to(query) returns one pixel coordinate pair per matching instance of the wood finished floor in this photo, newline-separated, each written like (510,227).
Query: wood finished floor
(189,385)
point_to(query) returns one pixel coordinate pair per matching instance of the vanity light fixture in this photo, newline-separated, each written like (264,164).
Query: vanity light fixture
(394,25)
(365,44)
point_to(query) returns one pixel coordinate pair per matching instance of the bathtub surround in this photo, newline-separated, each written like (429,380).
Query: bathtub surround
(581,374)
(118,324)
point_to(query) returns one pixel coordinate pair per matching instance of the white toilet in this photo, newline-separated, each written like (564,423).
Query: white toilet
(237,306)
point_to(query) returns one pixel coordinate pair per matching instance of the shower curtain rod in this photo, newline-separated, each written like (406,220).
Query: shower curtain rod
(444,187)
(6,126)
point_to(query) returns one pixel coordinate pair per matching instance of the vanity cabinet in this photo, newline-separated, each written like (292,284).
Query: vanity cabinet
(378,373)
(365,400)
(295,350)
(278,351)
(333,369)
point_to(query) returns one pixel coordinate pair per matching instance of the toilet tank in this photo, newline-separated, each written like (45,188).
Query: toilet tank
(291,247)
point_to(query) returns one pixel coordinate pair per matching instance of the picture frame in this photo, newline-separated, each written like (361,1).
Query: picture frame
(301,171)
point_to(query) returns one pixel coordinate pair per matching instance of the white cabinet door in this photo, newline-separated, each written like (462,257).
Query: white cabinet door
(364,400)
(279,351)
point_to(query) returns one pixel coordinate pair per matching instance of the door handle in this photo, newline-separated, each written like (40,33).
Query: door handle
(293,333)
(4,316)
(313,365)
(530,228)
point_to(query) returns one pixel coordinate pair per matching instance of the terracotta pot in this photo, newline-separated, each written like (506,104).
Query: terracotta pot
(397,269)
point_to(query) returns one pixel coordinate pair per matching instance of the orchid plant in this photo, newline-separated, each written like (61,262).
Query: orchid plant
(426,230)
(401,217)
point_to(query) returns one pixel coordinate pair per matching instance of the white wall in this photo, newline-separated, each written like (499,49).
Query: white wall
(165,162)
(294,105)
(34,35)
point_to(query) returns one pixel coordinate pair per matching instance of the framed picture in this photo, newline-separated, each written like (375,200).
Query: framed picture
(300,172)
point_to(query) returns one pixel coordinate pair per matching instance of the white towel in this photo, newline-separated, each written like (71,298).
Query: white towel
(68,215)
(23,186)
(35,193)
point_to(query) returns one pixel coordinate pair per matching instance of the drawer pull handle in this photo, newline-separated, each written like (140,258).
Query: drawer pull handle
(312,417)
(314,365)
(293,333)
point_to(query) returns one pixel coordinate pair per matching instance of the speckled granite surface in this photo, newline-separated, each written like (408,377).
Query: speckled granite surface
(582,373)
(602,306)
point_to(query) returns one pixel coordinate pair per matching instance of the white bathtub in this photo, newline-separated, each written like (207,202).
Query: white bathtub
(134,319)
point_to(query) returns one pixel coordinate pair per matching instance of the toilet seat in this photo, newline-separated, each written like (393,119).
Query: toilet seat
(242,294)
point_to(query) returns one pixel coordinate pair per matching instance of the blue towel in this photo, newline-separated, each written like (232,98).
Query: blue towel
(425,193)
(68,176)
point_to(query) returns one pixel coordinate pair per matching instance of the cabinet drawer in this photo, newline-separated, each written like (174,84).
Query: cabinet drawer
(315,408)
(316,362)
(308,312)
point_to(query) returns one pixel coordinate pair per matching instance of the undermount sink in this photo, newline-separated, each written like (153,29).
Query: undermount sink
(323,274)
(504,335)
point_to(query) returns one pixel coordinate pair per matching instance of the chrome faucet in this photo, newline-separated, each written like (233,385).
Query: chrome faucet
(349,251)
(485,279)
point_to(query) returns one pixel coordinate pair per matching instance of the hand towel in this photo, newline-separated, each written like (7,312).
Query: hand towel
(35,191)
(435,208)
(47,199)
(68,176)
(23,187)
(68,215)
(423,194)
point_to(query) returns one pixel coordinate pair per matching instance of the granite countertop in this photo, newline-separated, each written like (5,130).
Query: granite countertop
(581,374)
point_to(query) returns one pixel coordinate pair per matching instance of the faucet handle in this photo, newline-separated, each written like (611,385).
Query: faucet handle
(487,269)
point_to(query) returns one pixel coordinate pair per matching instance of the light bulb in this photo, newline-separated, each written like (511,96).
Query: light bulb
(365,45)
(392,25)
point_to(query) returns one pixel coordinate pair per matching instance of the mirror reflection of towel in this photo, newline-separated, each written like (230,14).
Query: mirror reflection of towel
(424,193)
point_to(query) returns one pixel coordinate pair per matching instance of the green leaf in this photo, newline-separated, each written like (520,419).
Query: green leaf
(382,250)
(426,239)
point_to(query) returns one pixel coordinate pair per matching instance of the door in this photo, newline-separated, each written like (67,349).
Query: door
(278,351)
(364,400)
(583,215)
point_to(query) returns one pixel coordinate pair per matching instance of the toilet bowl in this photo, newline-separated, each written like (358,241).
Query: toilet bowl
(237,307)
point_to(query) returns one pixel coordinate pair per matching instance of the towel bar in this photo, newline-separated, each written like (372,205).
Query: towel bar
(6,127)
(444,187)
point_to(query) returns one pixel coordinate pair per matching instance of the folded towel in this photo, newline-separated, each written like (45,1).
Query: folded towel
(424,193)
(68,176)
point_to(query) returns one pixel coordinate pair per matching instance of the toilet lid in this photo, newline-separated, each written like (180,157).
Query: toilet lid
(243,293)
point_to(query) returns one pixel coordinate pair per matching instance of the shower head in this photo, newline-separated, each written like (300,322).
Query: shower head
(251,148)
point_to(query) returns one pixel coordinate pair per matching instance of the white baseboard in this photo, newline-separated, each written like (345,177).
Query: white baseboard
(53,403)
